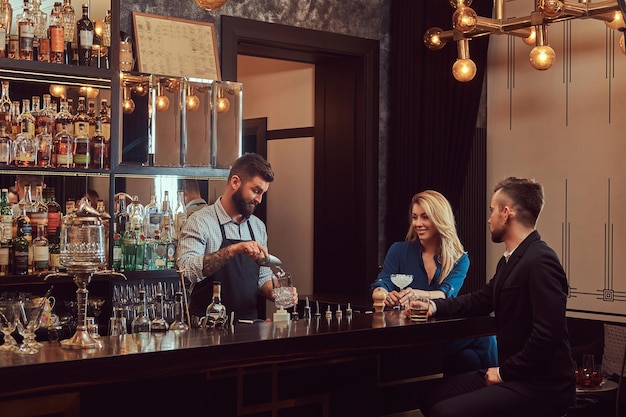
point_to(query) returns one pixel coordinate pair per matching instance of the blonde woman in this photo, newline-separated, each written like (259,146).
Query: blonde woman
(433,254)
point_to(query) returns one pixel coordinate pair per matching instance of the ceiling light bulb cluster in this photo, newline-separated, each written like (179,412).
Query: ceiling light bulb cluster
(192,102)
(128,105)
(464,69)
(162,102)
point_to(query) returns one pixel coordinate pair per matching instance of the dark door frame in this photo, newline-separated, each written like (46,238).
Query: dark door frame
(267,40)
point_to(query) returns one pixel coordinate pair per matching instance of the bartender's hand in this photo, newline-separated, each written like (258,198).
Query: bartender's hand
(492,377)
(251,248)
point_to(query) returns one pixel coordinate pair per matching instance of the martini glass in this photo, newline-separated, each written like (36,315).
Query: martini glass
(30,315)
(9,315)
(401,281)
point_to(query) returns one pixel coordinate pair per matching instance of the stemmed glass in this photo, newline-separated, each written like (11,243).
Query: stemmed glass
(9,316)
(401,281)
(96,304)
(29,321)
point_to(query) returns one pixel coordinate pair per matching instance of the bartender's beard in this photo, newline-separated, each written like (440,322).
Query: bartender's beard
(245,208)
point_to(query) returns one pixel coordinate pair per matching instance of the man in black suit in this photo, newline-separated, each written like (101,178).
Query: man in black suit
(528,295)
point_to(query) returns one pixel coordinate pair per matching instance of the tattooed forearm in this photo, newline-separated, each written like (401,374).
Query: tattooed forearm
(211,262)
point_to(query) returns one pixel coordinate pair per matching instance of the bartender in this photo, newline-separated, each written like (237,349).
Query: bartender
(223,241)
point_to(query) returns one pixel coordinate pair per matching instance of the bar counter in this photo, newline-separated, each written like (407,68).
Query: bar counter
(304,367)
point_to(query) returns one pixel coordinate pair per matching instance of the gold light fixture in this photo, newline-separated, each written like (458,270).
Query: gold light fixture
(89,92)
(222,104)
(58,91)
(128,105)
(192,102)
(533,29)
(162,102)
(141,89)
(211,5)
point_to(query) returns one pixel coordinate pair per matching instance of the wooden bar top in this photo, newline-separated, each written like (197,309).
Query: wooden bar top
(143,356)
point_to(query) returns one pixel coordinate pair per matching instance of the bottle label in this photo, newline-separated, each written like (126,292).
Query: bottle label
(55,260)
(65,159)
(3,44)
(57,39)
(27,33)
(20,261)
(4,256)
(86,38)
(41,254)
(54,221)
(106,131)
(117,253)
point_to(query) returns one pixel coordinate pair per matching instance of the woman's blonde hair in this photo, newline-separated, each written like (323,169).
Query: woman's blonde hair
(439,211)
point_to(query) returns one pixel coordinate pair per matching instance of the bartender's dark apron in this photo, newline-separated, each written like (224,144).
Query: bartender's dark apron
(239,279)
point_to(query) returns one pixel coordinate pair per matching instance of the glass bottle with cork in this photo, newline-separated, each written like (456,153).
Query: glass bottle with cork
(216,311)
(85,34)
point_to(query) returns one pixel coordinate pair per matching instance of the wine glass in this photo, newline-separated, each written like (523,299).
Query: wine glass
(30,315)
(9,315)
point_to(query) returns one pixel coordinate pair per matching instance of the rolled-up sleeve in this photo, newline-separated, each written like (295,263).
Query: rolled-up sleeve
(192,246)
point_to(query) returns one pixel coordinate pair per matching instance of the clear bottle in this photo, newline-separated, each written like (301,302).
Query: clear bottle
(152,218)
(81,114)
(56,33)
(35,108)
(159,324)
(26,33)
(121,217)
(41,252)
(39,211)
(27,116)
(41,42)
(6,20)
(15,114)
(6,146)
(159,252)
(179,316)
(68,20)
(63,148)
(99,148)
(47,115)
(170,247)
(91,114)
(101,209)
(82,145)
(180,214)
(106,39)
(141,322)
(166,214)
(216,311)
(5,103)
(85,32)
(25,146)
(117,252)
(44,150)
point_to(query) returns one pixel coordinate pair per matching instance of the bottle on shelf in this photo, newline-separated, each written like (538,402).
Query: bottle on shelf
(82,145)
(5,251)
(180,214)
(6,20)
(106,39)
(121,217)
(158,324)
(91,114)
(65,116)
(55,250)
(85,32)
(152,218)
(54,212)
(99,148)
(5,103)
(137,238)
(170,247)
(41,251)
(81,115)
(106,119)
(47,116)
(41,42)
(6,146)
(159,252)
(27,116)
(63,148)
(39,211)
(141,322)
(116,263)
(68,19)
(167,214)
(44,147)
(216,311)
(56,34)
(7,214)
(19,257)
(26,33)
(14,116)
(101,209)
(25,146)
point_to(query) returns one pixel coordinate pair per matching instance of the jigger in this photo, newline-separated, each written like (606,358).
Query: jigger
(269,260)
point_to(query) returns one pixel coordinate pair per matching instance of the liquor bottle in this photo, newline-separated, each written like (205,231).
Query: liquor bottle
(5,252)
(106,119)
(216,311)
(82,145)
(55,250)
(105,217)
(106,39)
(24,226)
(47,115)
(159,252)
(179,317)
(6,146)
(85,31)
(141,322)
(56,33)
(68,20)
(166,214)
(14,115)
(35,108)
(5,104)
(7,214)
(63,148)
(19,257)
(39,211)
(54,212)
(25,146)
(117,252)
(170,248)
(44,147)
(26,115)
(41,252)
(159,324)
(135,211)
(64,116)
(152,218)
(70,207)
(180,215)
(41,42)
(99,148)
(91,114)
(121,217)
(26,33)
(81,114)
(6,17)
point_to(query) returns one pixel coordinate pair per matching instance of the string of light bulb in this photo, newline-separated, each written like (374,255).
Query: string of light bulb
(532,29)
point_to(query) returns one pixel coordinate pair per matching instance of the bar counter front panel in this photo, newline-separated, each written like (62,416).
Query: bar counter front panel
(372,365)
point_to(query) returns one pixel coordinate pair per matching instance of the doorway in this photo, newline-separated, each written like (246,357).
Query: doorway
(346,143)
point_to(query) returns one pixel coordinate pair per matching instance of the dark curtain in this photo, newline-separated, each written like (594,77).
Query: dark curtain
(432,117)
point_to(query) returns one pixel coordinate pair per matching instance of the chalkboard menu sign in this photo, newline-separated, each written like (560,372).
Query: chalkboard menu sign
(177,47)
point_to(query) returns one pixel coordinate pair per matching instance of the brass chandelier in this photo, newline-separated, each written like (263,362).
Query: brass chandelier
(532,29)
